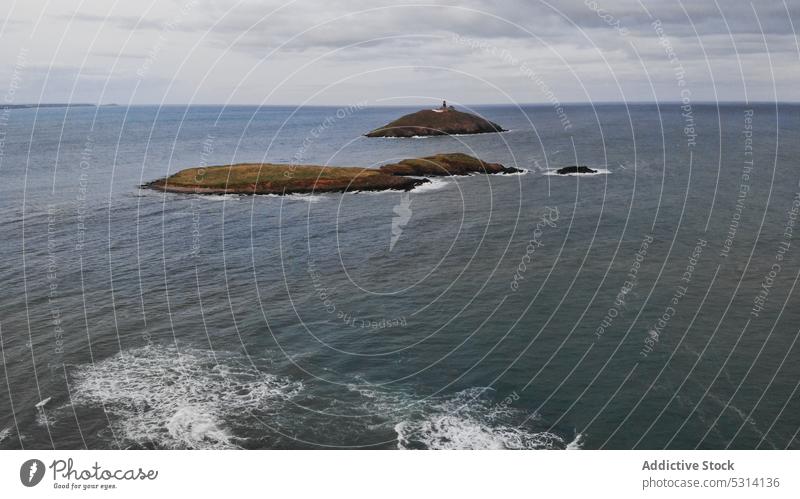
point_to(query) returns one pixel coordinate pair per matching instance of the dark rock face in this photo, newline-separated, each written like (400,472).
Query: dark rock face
(575,169)
(443,165)
(443,121)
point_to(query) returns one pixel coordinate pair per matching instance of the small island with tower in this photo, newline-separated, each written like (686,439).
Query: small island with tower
(445,120)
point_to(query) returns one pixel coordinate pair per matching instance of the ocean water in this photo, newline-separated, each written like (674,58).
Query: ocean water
(651,305)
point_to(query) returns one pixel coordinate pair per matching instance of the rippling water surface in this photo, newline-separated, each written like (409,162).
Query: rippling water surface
(650,305)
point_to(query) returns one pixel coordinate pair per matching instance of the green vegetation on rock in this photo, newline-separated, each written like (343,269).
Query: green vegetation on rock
(443,121)
(445,164)
(267,178)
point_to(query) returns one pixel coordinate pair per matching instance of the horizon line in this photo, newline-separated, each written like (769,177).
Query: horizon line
(32,105)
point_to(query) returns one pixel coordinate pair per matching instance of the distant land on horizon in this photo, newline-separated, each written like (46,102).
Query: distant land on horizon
(33,106)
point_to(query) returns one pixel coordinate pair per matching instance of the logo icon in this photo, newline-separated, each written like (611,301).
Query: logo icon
(31,472)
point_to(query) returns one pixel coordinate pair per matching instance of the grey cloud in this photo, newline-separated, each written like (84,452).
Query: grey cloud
(353,36)
(127,23)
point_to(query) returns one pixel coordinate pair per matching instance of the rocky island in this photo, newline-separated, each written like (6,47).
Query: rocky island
(444,165)
(575,169)
(269,178)
(442,121)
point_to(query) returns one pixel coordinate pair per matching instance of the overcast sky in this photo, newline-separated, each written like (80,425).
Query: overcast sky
(396,52)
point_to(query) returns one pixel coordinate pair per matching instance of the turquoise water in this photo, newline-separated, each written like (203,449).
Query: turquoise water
(651,305)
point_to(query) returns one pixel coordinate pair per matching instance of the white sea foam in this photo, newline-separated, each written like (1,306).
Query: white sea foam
(174,398)
(43,402)
(308,198)
(522,171)
(377,193)
(464,432)
(45,419)
(4,434)
(600,171)
(218,197)
(468,420)
(185,398)
(196,427)
(577,442)
(435,184)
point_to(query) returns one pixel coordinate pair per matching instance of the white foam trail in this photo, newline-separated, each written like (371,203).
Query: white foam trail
(43,403)
(4,433)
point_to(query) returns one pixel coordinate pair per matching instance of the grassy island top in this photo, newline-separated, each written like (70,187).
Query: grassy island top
(269,178)
(445,164)
(442,121)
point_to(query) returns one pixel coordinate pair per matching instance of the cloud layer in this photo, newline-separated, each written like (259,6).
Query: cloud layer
(339,51)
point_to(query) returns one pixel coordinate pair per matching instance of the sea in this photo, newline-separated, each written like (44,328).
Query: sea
(650,305)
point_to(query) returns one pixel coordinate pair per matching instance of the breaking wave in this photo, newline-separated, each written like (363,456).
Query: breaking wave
(169,398)
(468,419)
(434,185)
